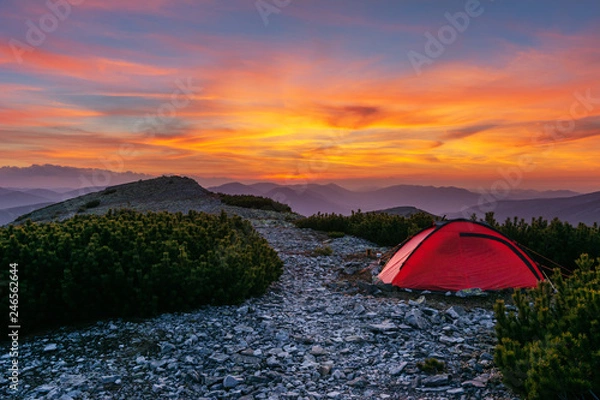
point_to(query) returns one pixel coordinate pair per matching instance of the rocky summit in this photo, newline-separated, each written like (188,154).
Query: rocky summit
(166,193)
(308,338)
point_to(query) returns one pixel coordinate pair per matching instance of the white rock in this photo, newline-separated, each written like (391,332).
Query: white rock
(231,381)
(50,347)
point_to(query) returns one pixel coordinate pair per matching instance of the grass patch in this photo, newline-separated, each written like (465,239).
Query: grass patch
(322,251)
(431,365)
(335,235)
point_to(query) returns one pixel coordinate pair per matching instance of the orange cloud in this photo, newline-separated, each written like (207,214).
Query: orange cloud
(42,116)
(97,69)
(271,113)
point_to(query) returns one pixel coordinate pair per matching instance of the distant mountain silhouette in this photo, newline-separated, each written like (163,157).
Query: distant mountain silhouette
(236,188)
(435,200)
(402,211)
(13,198)
(306,199)
(50,176)
(305,202)
(524,194)
(313,198)
(10,214)
(17,202)
(44,193)
(582,208)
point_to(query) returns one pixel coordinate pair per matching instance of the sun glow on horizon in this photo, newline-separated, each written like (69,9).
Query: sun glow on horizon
(305,99)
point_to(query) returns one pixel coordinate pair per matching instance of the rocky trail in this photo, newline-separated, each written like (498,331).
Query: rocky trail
(309,337)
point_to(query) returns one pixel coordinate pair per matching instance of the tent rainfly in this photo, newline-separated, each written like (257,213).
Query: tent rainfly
(460,254)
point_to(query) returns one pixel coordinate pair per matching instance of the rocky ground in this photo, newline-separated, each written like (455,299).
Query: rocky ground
(315,335)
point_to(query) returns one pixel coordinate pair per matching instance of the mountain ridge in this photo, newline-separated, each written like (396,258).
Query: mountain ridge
(309,199)
(583,208)
(326,198)
(47,176)
(167,193)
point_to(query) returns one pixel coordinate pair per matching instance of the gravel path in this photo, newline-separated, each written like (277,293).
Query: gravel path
(305,339)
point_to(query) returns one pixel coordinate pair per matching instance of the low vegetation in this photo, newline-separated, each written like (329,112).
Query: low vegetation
(558,241)
(549,348)
(322,251)
(382,229)
(106,192)
(88,205)
(335,235)
(127,264)
(431,365)
(255,202)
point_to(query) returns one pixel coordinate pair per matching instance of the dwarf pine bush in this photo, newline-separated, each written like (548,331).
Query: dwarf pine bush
(380,228)
(558,241)
(255,202)
(431,365)
(128,264)
(550,347)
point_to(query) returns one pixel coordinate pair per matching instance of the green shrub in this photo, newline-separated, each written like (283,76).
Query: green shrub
(92,204)
(555,240)
(127,264)
(88,205)
(382,229)
(322,251)
(254,202)
(550,347)
(558,241)
(336,235)
(431,365)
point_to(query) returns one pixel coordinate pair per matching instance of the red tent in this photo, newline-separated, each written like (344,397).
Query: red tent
(460,254)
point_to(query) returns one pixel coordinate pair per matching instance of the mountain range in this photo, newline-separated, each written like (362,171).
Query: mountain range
(583,208)
(17,196)
(58,177)
(450,201)
(166,193)
(16,202)
(24,189)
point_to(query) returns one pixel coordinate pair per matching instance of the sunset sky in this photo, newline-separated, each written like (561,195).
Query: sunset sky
(362,93)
